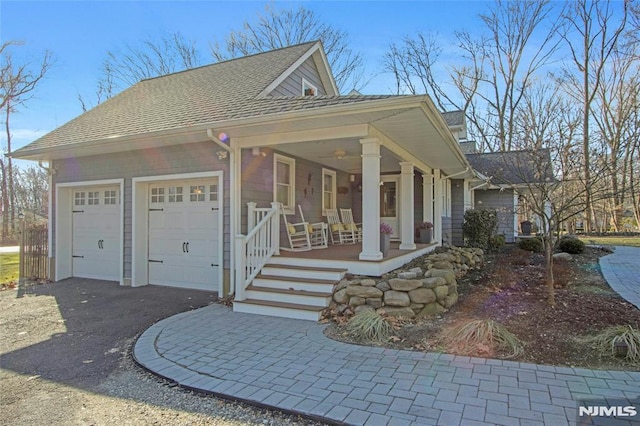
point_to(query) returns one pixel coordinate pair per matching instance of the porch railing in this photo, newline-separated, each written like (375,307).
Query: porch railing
(255,249)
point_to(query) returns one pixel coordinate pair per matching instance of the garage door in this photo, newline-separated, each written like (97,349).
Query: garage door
(184,234)
(96,242)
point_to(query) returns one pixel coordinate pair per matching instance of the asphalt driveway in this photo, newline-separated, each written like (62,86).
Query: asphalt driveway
(99,318)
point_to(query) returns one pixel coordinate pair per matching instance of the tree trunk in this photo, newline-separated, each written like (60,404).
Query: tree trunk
(551,290)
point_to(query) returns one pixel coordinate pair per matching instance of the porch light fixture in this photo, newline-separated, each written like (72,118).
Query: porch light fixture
(255,151)
(340,153)
(222,155)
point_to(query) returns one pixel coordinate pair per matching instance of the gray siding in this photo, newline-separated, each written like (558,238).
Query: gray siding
(446,230)
(191,158)
(457,211)
(502,201)
(257,186)
(292,85)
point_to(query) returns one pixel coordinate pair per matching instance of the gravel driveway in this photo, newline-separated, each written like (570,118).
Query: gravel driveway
(65,359)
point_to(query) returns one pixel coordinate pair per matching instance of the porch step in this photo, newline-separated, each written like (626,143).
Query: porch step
(300,297)
(292,283)
(304,272)
(278,309)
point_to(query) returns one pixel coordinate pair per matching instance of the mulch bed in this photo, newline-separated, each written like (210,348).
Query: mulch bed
(510,289)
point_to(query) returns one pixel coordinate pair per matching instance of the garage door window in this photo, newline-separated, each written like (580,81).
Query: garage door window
(93,198)
(110,197)
(213,192)
(157,195)
(175,194)
(79,198)
(196,193)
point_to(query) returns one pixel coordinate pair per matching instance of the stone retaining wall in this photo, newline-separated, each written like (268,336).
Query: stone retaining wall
(426,287)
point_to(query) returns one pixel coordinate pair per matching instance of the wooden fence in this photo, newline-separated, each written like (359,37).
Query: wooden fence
(34,250)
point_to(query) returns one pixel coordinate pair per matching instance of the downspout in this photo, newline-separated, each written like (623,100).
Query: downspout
(459,173)
(232,207)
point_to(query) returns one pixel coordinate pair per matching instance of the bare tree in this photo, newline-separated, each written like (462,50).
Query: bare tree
(17,85)
(149,58)
(500,66)
(277,28)
(598,32)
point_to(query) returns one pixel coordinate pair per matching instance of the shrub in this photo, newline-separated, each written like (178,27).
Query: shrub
(571,245)
(369,326)
(531,244)
(607,341)
(479,226)
(476,334)
(497,241)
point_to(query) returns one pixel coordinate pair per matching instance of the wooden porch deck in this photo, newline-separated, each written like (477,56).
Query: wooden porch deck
(347,257)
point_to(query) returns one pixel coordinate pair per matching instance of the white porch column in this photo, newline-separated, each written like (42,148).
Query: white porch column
(438,205)
(407,235)
(371,199)
(427,197)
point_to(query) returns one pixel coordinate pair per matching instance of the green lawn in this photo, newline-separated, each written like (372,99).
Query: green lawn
(612,241)
(9,267)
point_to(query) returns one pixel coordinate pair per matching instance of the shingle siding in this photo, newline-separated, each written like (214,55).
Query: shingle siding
(257,186)
(457,211)
(292,85)
(502,201)
(177,159)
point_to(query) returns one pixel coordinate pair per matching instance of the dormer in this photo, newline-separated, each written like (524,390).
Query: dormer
(310,75)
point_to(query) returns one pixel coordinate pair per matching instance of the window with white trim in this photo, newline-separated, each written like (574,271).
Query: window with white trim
(308,89)
(79,198)
(196,193)
(328,190)
(111,197)
(175,194)
(93,198)
(157,195)
(284,183)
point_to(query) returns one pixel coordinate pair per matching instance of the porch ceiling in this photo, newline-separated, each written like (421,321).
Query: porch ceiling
(405,132)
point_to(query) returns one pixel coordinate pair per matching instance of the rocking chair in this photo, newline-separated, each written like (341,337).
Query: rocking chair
(297,233)
(348,223)
(317,232)
(339,233)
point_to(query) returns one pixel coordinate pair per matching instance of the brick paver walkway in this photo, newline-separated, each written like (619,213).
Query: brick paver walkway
(290,365)
(622,271)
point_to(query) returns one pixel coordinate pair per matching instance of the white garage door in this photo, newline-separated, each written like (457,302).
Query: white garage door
(96,242)
(184,234)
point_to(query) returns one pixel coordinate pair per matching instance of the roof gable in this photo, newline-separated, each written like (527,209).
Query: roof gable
(197,96)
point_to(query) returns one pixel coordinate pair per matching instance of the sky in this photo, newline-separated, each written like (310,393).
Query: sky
(79,33)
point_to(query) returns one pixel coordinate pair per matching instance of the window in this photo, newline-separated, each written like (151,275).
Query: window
(79,198)
(93,198)
(110,197)
(213,192)
(308,89)
(157,195)
(284,169)
(196,193)
(328,190)
(175,194)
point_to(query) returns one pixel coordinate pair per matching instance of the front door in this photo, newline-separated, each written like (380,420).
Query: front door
(389,205)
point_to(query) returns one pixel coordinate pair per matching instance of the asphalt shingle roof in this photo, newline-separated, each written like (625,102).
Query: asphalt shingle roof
(514,167)
(453,118)
(211,93)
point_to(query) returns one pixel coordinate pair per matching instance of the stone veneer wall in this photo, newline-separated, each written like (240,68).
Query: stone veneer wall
(426,289)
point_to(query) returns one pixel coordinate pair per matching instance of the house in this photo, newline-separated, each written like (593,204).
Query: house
(510,178)
(172,181)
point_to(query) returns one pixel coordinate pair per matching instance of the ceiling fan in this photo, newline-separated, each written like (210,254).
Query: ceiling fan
(341,154)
